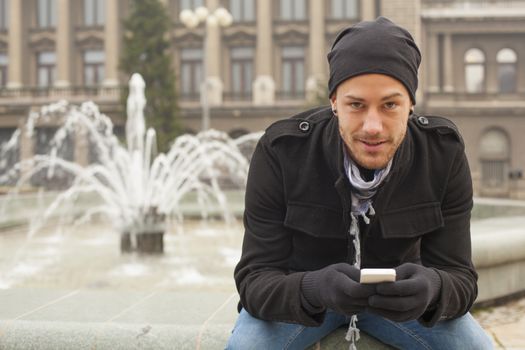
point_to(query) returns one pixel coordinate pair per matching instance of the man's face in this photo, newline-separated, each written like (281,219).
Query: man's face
(373,111)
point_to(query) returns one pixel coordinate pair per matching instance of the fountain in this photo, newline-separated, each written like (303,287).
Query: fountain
(138,190)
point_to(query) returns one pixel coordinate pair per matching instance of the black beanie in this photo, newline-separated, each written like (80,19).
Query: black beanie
(379,47)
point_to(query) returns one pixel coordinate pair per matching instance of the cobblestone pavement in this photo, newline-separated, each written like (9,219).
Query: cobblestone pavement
(505,323)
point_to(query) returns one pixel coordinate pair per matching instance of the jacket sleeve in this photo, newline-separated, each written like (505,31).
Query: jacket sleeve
(448,250)
(267,289)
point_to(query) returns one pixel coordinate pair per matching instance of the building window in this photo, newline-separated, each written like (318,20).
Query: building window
(475,71)
(93,67)
(94,14)
(243,10)
(46,12)
(507,71)
(4,14)
(495,159)
(293,80)
(293,10)
(190,4)
(46,68)
(191,73)
(242,71)
(344,9)
(4,60)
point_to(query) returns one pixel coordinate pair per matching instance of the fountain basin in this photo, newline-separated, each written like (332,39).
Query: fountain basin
(499,257)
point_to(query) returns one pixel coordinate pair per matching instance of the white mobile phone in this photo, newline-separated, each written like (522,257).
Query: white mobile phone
(377,275)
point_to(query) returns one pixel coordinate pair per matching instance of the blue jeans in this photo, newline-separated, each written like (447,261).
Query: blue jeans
(459,334)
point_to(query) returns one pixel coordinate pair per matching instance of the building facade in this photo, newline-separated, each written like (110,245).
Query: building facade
(271,62)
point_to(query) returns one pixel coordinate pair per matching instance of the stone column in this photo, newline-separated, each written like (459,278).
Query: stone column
(432,63)
(26,144)
(264,84)
(15,38)
(406,13)
(63,44)
(491,74)
(111,43)
(317,64)
(212,59)
(448,74)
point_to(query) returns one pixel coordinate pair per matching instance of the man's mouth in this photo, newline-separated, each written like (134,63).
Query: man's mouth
(372,143)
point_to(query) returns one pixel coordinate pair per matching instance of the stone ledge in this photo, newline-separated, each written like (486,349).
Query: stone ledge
(38,335)
(498,252)
(492,249)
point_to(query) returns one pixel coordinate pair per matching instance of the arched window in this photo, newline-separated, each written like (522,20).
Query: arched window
(495,157)
(507,71)
(475,71)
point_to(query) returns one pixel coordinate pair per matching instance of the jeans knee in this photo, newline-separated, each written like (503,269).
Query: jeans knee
(237,342)
(481,342)
(474,336)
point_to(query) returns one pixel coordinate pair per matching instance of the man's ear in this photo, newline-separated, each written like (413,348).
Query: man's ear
(333,103)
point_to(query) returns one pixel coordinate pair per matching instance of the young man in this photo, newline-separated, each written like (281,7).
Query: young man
(363,184)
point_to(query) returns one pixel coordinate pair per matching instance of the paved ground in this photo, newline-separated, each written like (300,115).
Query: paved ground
(506,324)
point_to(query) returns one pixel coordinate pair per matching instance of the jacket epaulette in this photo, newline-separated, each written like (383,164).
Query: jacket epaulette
(299,125)
(440,124)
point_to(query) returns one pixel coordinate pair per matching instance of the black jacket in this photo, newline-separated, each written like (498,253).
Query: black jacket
(297,214)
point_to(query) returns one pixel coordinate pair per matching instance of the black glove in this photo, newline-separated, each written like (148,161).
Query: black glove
(336,287)
(415,289)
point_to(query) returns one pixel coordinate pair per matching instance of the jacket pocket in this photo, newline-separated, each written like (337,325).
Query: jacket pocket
(317,234)
(317,221)
(412,221)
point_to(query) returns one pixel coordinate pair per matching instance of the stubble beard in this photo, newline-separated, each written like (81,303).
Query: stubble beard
(367,160)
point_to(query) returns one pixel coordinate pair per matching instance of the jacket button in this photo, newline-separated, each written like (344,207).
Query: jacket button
(304,126)
(422,120)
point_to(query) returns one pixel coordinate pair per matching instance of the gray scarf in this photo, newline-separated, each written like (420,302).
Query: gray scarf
(362,194)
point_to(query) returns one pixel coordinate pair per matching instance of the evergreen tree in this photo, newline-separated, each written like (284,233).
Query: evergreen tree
(146,50)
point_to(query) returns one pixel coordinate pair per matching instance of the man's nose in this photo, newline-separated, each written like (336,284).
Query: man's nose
(373,124)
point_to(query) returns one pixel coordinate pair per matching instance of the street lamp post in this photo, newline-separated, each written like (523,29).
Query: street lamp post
(191,19)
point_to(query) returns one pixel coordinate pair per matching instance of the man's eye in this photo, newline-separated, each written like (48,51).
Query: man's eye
(356,105)
(390,105)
